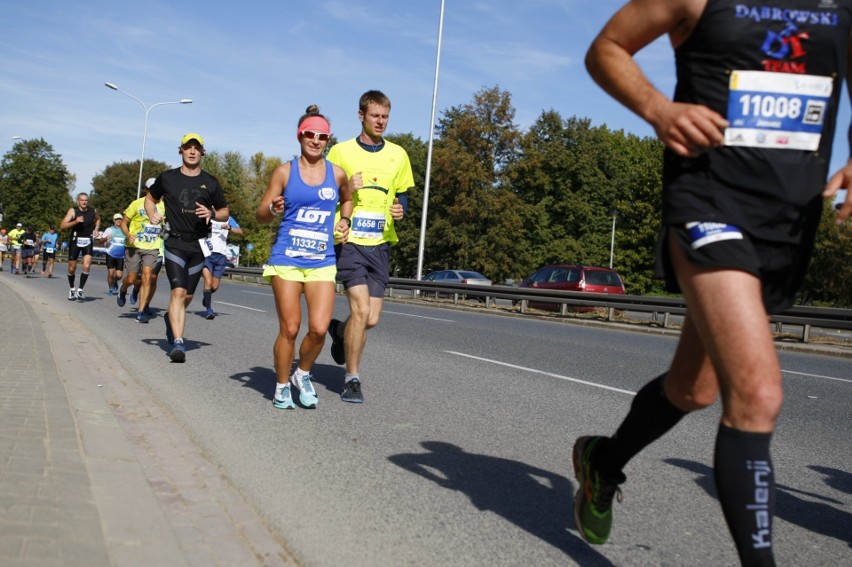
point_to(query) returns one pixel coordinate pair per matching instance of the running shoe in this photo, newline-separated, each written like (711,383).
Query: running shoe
(115,289)
(283,398)
(338,352)
(122,298)
(352,392)
(307,393)
(80,296)
(593,502)
(178,352)
(141,317)
(110,292)
(134,295)
(169,336)
(210,315)
(72,294)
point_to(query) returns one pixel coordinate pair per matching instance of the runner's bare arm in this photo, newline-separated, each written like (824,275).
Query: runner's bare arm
(684,128)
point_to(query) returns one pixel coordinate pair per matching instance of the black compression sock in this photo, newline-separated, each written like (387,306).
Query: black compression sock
(83,277)
(745,483)
(71,280)
(651,415)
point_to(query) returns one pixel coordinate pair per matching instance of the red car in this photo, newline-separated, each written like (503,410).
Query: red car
(573,277)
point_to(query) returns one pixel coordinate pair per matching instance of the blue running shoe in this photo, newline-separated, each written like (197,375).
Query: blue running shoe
(122,298)
(141,317)
(210,315)
(169,335)
(284,399)
(307,393)
(134,295)
(178,352)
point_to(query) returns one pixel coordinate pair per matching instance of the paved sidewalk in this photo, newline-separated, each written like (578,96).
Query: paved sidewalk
(93,471)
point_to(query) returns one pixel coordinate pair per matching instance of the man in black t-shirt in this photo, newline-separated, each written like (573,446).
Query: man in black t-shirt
(192,198)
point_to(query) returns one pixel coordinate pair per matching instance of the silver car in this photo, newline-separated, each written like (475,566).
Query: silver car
(458,277)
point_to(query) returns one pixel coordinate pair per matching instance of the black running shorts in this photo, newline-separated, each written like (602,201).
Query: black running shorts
(364,265)
(781,266)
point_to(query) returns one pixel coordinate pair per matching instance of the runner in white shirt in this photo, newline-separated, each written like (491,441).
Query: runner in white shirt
(215,261)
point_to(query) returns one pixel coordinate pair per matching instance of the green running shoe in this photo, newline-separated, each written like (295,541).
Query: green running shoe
(593,502)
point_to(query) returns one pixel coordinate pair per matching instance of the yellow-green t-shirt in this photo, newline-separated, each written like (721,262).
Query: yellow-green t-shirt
(15,236)
(385,173)
(147,234)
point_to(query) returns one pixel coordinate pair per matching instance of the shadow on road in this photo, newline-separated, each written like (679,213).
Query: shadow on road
(816,513)
(535,500)
(262,378)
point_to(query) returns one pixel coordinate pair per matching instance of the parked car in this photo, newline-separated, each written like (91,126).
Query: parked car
(573,277)
(458,277)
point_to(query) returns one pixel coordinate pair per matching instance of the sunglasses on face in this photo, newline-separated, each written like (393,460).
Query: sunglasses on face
(316,136)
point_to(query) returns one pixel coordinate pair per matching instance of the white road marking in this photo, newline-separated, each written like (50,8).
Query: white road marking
(418,316)
(240,306)
(817,376)
(534,371)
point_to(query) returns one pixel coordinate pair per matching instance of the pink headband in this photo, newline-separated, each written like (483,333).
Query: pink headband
(314,124)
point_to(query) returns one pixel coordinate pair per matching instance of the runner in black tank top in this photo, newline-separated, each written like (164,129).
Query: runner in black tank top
(748,140)
(84,223)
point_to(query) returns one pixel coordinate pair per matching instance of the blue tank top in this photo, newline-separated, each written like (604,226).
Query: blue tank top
(305,236)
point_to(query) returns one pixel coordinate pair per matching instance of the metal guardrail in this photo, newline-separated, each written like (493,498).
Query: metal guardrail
(805,316)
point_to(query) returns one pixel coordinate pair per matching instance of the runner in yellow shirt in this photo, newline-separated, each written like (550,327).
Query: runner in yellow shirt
(379,174)
(141,253)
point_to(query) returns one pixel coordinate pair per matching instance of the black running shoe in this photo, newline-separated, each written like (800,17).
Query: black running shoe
(352,392)
(338,352)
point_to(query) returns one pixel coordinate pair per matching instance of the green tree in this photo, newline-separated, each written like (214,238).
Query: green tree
(114,188)
(474,221)
(573,175)
(34,185)
(403,261)
(244,182)
(829,277)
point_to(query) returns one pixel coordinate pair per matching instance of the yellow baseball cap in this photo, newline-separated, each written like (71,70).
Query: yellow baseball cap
(192,136)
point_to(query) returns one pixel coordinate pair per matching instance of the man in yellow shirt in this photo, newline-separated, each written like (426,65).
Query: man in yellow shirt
(379,174)
(15,236)
(141,254)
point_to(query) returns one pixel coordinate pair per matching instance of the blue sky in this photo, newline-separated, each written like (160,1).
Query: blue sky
(252,67)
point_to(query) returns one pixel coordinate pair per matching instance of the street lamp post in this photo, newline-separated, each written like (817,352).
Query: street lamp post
(425,208)
(145,131)
(614,214)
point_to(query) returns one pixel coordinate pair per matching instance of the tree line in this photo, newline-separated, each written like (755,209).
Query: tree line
(502,201)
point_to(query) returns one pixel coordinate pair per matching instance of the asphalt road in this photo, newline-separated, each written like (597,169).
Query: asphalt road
(461,453)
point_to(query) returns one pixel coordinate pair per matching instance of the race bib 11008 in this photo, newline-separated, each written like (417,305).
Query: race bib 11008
(777,110)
